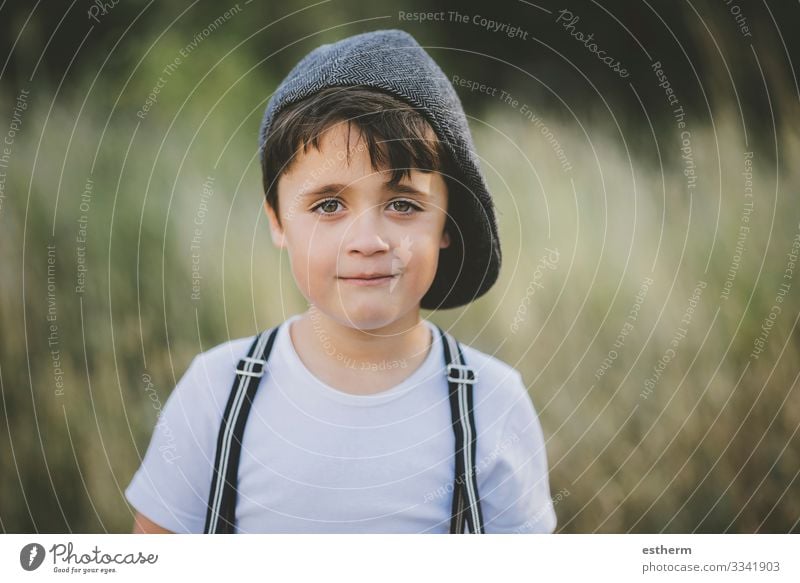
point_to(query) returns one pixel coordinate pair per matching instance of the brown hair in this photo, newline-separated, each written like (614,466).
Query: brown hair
(397,136)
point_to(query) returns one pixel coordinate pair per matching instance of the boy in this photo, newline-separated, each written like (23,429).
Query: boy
(357,415)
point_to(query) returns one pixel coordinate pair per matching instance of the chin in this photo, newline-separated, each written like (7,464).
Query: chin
(367,316)
(368,320)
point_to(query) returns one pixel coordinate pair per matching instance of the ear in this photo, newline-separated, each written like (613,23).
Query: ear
(445,242)
(277,232)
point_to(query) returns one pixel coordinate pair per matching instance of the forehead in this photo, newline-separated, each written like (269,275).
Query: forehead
(341,147)
(342,155)
(344,142)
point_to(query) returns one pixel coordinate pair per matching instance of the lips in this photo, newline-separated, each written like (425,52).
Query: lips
(370,279)
(368,276)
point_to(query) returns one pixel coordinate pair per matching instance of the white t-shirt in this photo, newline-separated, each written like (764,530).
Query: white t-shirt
(318,460)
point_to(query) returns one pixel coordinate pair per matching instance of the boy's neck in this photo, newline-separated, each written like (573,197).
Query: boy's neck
(341,355)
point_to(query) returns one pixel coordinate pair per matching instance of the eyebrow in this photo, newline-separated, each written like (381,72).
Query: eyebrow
(337,187)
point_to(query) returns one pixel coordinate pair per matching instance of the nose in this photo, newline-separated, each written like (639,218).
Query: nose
(365,234)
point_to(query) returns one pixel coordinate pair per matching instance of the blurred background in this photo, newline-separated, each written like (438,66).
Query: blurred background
(643,158)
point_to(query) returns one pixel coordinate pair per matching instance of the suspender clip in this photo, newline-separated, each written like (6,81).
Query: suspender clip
(468,377)
(257,368)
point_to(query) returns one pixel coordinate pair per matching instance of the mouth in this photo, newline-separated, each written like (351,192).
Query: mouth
(370,280)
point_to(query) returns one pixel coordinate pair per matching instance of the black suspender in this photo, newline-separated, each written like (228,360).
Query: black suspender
(460,378)
(221,515)
(466,509)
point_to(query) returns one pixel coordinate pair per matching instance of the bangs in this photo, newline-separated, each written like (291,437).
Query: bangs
(396,136)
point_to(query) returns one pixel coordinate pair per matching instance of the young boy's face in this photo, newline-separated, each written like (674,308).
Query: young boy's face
(341,223)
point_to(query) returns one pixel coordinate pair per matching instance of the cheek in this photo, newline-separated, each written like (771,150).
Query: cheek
(313,258)
(423,257)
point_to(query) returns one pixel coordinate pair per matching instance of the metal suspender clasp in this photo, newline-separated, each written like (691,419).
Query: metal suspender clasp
(256,370)
(463,374)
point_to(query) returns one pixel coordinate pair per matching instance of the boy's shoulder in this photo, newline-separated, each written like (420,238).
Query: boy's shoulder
(497,379)
(222,358)
(226,353)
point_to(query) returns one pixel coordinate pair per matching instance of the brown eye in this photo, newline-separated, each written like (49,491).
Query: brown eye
(328,206)
(406,207)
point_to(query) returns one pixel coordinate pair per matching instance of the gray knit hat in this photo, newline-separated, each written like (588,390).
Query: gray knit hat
(393,61)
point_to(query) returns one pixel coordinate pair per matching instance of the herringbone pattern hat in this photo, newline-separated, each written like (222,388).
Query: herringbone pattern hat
(393,61)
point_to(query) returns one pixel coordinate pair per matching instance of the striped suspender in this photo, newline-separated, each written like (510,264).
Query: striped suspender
(221,515)
(466,512)
(460,378)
